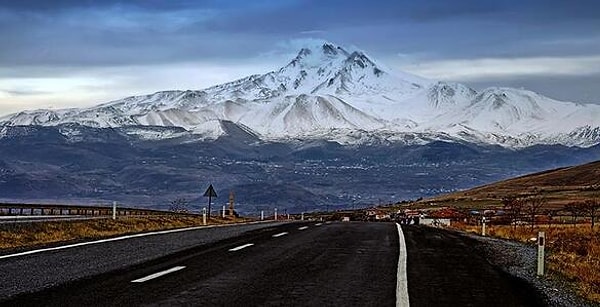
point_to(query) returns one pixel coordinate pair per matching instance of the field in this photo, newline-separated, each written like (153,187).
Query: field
(573,252)
(20,235)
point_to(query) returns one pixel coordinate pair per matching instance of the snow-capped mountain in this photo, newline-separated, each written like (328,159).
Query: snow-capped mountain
(334,93)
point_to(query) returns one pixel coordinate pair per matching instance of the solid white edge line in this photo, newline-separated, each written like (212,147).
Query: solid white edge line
(159,274)
(318,224)
(235,249)
(402,281)
(280,234)
(303,228)
(35,251)
(98,241)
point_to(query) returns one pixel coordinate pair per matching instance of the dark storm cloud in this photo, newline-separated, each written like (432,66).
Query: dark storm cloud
(443,29)
(41,5)
(136,32)
(117,33)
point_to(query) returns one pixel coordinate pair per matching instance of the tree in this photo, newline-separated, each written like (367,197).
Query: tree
(514,208)
(576,209)
(179,205)
(534,205)
(592,209)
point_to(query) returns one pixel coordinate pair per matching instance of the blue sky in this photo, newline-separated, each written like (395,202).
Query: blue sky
(71,53)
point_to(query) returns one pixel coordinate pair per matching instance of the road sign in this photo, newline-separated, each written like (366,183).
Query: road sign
(210,193)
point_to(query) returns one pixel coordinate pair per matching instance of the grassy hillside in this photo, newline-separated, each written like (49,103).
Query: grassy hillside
(559,187)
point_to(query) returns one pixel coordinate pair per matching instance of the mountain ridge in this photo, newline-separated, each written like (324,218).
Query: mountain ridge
(329,92)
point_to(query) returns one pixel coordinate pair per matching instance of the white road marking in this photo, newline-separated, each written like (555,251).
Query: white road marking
(328,222)
(35,251)
(159,274)
(318,224)
(402,281)
(235,249)
(303,228)
(280,234)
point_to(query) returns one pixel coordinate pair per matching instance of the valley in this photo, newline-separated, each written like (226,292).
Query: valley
(102,165)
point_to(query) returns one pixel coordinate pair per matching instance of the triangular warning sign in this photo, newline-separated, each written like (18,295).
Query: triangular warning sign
(210,192)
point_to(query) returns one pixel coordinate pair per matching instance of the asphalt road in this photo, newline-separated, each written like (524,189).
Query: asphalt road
(37,271)
(446,269)
(294,264)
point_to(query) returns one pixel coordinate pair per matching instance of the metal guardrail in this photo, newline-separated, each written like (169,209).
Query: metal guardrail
(55,209)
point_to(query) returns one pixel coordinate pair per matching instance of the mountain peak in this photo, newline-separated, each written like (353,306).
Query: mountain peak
(329,48)
(318,55)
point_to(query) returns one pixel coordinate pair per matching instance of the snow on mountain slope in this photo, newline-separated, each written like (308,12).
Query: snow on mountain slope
(520,118)
(300,115)
(319,70)
(335,93)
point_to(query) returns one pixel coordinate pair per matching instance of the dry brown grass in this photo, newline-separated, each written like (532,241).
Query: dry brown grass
(573,252)
(32,234)
(559,187)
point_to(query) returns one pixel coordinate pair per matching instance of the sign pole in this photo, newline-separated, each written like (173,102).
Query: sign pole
(209,201)
(231,200)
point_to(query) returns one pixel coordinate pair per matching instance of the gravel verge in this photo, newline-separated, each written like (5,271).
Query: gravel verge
(520,260)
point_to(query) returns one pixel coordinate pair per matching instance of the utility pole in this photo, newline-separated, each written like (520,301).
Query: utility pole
(231,200)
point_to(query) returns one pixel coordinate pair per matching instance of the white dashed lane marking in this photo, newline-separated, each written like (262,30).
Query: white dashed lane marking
(280,234)
(303,228)
(235,249)
(159,274)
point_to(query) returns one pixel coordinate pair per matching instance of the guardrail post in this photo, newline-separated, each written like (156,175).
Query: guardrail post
(540,259)
(483,226)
